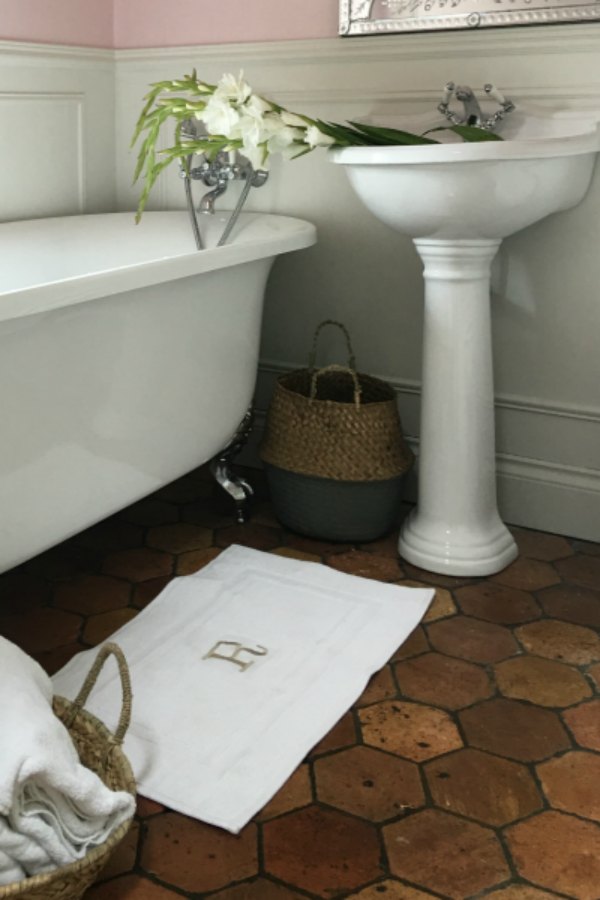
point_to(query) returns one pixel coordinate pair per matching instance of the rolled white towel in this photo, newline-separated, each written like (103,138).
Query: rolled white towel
(53,810)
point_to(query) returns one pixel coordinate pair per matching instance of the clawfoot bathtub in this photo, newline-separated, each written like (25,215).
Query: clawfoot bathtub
(127,358)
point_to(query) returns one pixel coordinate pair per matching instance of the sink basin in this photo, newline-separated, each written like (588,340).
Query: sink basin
(457,201)
(477,190)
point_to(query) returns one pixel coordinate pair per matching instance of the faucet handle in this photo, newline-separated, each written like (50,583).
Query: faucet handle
(494,93)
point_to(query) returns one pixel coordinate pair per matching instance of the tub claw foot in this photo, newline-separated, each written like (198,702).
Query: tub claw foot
(220,465)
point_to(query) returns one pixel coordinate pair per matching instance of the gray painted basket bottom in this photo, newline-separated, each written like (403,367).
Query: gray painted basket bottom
(335,510)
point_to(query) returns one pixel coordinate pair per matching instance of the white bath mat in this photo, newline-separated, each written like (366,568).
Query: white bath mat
(239,670)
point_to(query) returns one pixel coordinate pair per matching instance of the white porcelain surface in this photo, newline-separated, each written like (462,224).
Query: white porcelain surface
(133,361)
(457,201)
(477,190)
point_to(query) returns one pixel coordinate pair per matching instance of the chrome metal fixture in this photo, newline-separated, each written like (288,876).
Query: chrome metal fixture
(472,113)
(216,173)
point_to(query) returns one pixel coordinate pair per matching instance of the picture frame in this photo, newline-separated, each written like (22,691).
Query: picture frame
(370,17)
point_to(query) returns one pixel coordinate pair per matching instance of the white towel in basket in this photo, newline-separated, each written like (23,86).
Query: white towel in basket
(239,670)
(52,809)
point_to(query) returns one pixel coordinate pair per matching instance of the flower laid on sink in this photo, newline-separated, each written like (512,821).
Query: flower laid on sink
(235,118)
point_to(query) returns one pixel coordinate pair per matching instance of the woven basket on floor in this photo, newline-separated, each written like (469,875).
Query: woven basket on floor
(333,450)
(100,751)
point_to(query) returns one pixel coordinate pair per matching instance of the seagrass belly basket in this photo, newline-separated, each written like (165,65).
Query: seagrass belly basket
(334,452)
(100,750)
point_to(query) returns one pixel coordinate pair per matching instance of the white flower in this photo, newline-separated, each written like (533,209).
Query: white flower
(292,119)
(219,117)
(279,136)
(316,138)
(232,89)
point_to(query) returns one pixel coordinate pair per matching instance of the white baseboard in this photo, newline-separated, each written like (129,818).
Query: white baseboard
(533,493)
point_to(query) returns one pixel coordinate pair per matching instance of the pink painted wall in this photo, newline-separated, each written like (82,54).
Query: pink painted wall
(88,23)
(170,23)
(165,23)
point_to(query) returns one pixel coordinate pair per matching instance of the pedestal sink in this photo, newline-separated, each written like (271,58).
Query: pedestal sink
(457,201)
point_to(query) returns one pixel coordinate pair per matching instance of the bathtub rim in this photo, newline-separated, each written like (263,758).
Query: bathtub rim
(294,234)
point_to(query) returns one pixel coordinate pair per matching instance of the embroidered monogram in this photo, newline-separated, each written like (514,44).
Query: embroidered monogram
(234,656)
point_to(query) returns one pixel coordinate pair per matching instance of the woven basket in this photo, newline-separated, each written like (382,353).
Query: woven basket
(334,451)
(335,423)
(100,751)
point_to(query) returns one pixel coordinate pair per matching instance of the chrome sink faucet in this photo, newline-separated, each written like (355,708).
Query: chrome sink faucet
(472,113)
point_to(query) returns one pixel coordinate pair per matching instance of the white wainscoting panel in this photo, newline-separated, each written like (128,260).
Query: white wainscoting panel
(57,141)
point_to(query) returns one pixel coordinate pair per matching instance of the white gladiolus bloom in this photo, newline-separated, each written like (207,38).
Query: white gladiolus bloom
(316,138)
(292,119)
(219,117)
(233,89)
(281,137)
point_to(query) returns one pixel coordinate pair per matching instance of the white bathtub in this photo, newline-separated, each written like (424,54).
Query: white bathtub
(127,358)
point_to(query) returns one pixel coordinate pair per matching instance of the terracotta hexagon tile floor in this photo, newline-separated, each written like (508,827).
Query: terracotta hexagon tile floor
(468,769)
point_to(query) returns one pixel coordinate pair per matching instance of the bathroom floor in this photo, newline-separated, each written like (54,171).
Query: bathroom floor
(469,767)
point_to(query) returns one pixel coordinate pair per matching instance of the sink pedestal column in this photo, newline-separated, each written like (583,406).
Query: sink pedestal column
(456,529)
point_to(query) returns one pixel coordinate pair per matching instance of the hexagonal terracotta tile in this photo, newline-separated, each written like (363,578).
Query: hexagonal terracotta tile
(520,892)
(322,851)
(443,680)
(564,641)
(368,783)
(187,563)
(53,660)
(527,575)
(381,686)
(541,681)
(594,674)
(92,594)
(145,592)
(571,783)
(357,562)
(343,734)
(441,606)
(537,545)
(292,553)
(558,852)
(41,629)
(472,639)
(440,852)
(295,793)
(99,628)
(122,859)
(572,604)
(581,570)
(434,578)
(409,729)
(483,787)
(415,643)
(196,857)
(584,723)
(260,889)
(130,887)
(497,603)
(515,730)
(259,537)
(391,890)
(138,564)
(180,537)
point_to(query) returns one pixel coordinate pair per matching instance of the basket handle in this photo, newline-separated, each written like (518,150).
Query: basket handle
(92,676)
(313,353)
(335,368)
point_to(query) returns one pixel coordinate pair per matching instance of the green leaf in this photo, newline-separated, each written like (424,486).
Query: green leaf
(471,134)
(391,135)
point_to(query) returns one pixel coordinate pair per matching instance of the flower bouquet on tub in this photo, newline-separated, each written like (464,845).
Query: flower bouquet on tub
(235,119)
